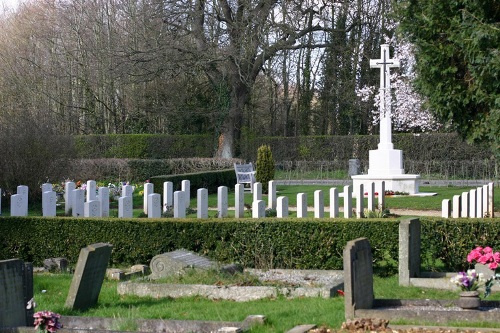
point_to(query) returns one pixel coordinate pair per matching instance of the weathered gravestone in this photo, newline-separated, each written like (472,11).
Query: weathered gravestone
(88,277)
(177,261)
(409,250)
(16,289)
(358,276)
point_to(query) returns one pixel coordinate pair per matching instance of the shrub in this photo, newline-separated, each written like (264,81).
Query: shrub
(265,166)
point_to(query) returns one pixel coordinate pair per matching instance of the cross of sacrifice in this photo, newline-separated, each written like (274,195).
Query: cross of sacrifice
(385,63)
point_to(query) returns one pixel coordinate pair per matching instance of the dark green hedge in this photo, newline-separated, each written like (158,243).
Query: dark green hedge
(210,180)
(144,146)
(285,243)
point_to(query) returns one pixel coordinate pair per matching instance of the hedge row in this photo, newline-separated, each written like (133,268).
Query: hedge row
(422,147)
(273,243)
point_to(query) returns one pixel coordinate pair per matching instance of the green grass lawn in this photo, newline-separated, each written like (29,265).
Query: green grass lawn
(282,314)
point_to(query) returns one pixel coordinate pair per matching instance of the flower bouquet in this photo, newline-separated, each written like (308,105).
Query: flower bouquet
(47,321)
(468,281)
(486,256)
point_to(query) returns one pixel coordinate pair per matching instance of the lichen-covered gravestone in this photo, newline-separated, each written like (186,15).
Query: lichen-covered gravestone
(88,277)
(16,289)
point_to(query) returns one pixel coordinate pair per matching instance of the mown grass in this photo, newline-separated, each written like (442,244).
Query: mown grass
(50,291)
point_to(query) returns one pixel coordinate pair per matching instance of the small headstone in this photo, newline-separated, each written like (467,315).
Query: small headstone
(127,191)
(257,191)
(334,203)
(91,190)
(154,205)
(282,207)
(168,195)
(491,205)
(301,205)
(148,189)
(222,201)
(354,167)
(17,205)
(381,196)
(49,200)
(46,187)
(258,209)
(479,202)
(409,250)
(23,190)
(239,200)
(347,202)
(202,203)
(371,197)
(319,205)
(271,195)
(179,204)
(186,188)
(360,201)
(78,205)
(456,206)
(16,289)
(92,208)
(358,276)
(69,187)
(446,208)
(125,207)
(472,203)
(103,197)
(88,276)
(56,264)
(465,204)
(175,262)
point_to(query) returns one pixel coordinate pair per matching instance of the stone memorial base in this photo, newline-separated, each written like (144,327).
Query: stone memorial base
(400,183)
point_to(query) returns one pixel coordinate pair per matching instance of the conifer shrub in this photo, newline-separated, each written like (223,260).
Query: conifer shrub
(264,166)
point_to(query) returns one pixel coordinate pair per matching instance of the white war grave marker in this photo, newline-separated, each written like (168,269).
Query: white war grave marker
(386,163)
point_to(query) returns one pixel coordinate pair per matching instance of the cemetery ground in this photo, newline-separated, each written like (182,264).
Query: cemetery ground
(282,314)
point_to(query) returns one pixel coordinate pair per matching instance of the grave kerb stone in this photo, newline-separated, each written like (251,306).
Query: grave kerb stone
(88,276)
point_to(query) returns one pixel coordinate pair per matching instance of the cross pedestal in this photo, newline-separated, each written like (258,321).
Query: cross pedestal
(386,163)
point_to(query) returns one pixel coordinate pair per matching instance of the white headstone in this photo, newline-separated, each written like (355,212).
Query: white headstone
(168,195)
(78,208)
(465,204)
(17,205)
(186,188)
(222,201)
(479,202)
(319,204)
(239,200)
(91,190)
(68,196)
(491,198)
(23,190)
(127,191)
(271,195)
(179,204)
(46,187)
(371,197)
(125,207)
(49,200)
(282,207)
(92,208)
(472,203)
(258,209)
(301,205)
(148,189)
(381,196)
(347,202)
(456,206)
(360,201)
(334,203)
(202,203)
(103,197)
(154,205)
(445,208)
(257,191)
(486,201)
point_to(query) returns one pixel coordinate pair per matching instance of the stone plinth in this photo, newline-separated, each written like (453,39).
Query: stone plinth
(400,182)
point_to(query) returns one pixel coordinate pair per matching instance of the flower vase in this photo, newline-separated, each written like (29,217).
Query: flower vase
(469,300)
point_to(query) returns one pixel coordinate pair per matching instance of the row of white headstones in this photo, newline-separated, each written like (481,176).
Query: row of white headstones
(94,201)
(477,203)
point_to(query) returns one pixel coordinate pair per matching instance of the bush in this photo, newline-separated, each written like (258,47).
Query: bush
(264,166)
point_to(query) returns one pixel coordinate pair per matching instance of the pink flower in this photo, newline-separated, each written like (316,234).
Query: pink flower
(493,265)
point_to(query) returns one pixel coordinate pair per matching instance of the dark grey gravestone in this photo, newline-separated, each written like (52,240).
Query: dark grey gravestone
(409,250)
(175,262)
(16,289)
(354,166)
(358,276)
(88,277)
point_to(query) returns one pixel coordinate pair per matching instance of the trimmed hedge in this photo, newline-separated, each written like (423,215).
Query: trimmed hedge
(283,243)
(210,180)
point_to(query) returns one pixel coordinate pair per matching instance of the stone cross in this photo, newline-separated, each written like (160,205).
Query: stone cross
(385,63)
